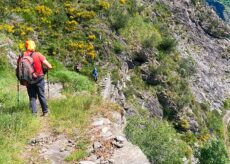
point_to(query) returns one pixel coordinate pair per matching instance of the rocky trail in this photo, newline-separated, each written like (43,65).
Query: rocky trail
(108,142)
(47,146)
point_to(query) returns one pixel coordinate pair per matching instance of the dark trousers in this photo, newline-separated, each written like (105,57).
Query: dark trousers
(35,90)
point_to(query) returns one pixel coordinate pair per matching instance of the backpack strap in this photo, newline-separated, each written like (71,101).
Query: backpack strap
(31,55)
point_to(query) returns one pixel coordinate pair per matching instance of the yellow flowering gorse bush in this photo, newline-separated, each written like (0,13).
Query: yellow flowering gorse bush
(83,48)
(86,14)
(71,25)
(92,37)
(43,10)
(104,5)
(122,1)
(21,46)
(7,27)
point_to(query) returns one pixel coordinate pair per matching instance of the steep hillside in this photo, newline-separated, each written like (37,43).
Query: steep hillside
(222,7)
(165,63)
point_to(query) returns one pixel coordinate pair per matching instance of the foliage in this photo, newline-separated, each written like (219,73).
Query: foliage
(167,45)
(187,67)
(118,47)
(157,139)
(3,62)
(16,122)
(213,152)
(118,20)
(77,155)
(73,81)
(215,123)
(76,113)
(227,104)
(138,32)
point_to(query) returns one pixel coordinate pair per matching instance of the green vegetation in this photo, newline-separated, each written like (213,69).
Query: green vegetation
(227,104)
(215,123)
(79,154)
(158,139)
(73,81)
(70,113)
(16,122)
(213,152)
(72,117)
(225,2)
(139,32)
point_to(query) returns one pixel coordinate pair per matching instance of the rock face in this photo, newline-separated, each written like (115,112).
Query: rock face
(129,154)
(210,83)
(53,90)
(150,103)
(110,145)
(12,59)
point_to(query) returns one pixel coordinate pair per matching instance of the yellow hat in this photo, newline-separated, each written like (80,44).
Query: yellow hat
(30,45)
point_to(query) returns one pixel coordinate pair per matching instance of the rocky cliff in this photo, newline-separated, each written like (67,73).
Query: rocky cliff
(210,83)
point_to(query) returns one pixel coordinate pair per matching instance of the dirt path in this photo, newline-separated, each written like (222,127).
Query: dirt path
(226,120)
(48,147)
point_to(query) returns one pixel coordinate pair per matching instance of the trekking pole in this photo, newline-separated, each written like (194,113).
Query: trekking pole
(18,92)
(48,84)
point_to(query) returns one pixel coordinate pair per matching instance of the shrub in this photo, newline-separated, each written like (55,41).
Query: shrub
(59,19)
(215,123)
(137,31)
(227,104)
(117,47)
(43,10)
(187,67)
(71,25)
(157,139)
(213,152)
(104,5)
(122,1)
(118,20)
(167,45)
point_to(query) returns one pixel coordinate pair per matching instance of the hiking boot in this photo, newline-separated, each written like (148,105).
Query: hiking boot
(45,115)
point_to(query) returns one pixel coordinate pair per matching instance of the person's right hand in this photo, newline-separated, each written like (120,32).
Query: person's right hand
(47,64)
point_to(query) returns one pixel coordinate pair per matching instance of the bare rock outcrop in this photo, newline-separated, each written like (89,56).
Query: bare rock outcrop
(211,82)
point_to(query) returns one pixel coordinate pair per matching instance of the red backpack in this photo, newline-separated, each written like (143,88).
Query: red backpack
(25,70)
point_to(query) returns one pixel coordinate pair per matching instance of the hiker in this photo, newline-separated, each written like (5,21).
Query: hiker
(36,86)
(78,67)
(95,74)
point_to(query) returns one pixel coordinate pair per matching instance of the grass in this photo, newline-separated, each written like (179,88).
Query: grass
(77,155)
(16,123)
(215,123)
(157,139)
(15,131)
(80,153)
(72,116)
(74,82)
(70,113)
(137,31)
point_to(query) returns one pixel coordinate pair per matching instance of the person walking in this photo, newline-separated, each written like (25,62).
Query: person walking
(95,74)
(36,86)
